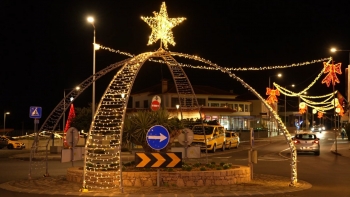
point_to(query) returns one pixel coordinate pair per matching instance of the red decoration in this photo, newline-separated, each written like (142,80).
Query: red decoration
(272,95)
(332,71)
(319,114)
(71,116)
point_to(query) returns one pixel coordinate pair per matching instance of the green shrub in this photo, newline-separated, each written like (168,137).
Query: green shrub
(187,167)
(202,169)
(222,163)
(197,165)
(219,168)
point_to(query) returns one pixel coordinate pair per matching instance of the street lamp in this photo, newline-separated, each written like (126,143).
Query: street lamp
(95,47)
(64,104)
(333,50)
(5,113)
(177,110)
(279,75)
(285,107)
(314,111)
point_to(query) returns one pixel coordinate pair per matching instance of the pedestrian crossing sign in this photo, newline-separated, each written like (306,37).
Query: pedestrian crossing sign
(35,112)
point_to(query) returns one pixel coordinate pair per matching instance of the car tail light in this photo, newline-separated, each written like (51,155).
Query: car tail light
(296,141)
(315,142)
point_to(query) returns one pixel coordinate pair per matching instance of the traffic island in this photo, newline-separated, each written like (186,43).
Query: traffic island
(237,175)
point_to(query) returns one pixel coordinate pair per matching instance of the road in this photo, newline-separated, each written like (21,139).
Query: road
(328,173)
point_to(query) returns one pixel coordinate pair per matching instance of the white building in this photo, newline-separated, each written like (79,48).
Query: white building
(233,112)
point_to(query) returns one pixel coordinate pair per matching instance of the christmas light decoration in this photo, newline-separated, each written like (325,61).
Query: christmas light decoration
(71,116)
(103,166)
(213,65)
(302,108)
(319,114)
(161,27)
(332,70)
(272,95)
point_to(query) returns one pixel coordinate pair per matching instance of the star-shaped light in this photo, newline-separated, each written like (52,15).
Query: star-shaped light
(332,70)
(161,27)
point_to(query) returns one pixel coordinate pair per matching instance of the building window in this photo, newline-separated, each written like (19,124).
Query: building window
(145,104)
(241,107)
(137,104)
(246,108)
(174,102)
(201,101)
(214,104)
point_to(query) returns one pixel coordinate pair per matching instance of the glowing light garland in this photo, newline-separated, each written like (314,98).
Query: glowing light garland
(161,26)
(193,57)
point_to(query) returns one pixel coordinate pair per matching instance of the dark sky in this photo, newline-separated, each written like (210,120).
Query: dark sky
(46,46)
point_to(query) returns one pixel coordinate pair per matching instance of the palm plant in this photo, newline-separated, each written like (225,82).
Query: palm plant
(137,125)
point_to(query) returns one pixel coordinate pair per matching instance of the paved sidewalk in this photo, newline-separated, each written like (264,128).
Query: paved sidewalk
(261,184)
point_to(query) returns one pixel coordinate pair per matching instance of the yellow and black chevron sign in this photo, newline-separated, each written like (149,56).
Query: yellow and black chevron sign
(158,160)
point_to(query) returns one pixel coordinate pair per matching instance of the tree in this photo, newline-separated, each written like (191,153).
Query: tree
(83,118)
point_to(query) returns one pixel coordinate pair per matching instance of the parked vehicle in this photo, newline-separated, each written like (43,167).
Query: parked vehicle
(11,143)
(232,139)
(307,142)
(213,139)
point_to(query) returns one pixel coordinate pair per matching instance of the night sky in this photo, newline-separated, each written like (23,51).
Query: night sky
(46,45)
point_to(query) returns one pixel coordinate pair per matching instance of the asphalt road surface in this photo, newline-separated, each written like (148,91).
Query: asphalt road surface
(328,173)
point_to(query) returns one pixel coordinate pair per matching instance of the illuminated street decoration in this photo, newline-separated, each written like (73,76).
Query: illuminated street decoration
(102,161)
(302,108)
(71,116)
(332,70)
(161,27)
(340,110)
(272,95)
(319,114)
(213,66)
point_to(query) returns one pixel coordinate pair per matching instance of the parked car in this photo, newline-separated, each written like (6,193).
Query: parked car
(213,139)
(307,142)
(232,139)
(11,143)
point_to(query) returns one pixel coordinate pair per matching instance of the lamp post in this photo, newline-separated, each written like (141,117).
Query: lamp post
(5,113)
(64,104)
(333,50)
(279,75)
(95,47)
(177,110)
(285,107)
(314,111)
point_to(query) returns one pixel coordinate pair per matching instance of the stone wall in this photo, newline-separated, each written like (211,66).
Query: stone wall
(240,174)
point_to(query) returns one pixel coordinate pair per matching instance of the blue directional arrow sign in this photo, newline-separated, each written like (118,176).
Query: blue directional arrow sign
(157,137)
(34,112)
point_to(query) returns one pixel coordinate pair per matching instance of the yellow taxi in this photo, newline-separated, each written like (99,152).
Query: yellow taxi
(213,139)
(232,140)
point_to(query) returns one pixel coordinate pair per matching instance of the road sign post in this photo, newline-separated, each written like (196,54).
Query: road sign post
(157,137)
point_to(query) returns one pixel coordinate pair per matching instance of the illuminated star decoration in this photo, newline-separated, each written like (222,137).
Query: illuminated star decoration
(272,95)
(161,27)
(319,114)
(332,71)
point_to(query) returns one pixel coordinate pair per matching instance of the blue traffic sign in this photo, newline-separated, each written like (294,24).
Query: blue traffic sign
(35,112)
(157,137)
